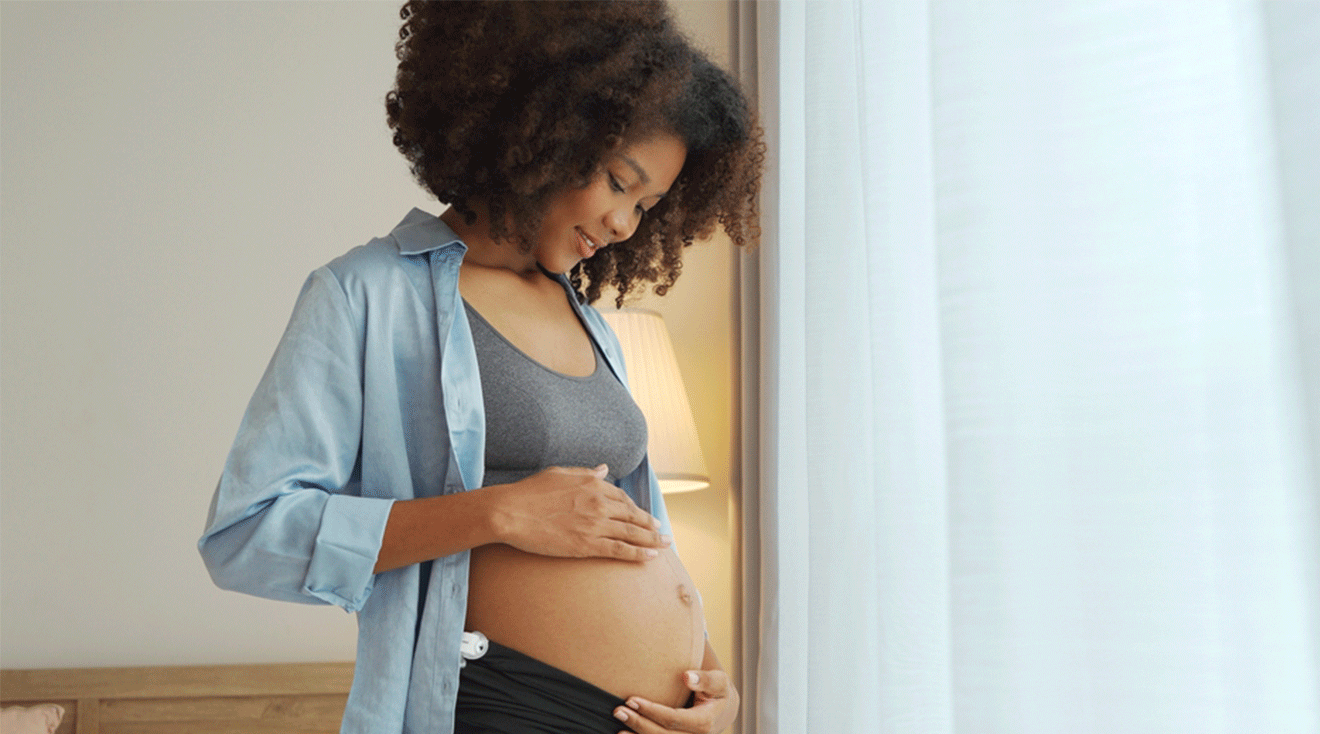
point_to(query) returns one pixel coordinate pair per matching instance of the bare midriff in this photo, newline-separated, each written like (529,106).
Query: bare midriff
(628,628)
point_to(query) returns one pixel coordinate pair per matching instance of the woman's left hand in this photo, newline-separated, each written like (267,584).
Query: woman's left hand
(714,706)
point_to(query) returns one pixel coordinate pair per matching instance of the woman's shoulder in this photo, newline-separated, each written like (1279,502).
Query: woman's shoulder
(367,262)
(404,251)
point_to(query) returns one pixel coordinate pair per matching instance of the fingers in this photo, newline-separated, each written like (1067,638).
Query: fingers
(615,504)
(621,506)
(627,511)
(630,533)
(621,551)
(713,683)
(648,717)
(574,512)
(637,517)
(626,542)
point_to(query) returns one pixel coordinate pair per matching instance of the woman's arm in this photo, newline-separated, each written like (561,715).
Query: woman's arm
(281,525)
(286,523)
(714,706)
(567,512)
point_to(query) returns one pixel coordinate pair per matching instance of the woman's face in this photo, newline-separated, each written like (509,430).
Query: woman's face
(578,222)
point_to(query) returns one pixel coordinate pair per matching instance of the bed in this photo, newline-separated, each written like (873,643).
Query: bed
(301,698)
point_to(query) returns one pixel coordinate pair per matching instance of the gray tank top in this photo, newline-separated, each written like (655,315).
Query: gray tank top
(537,418)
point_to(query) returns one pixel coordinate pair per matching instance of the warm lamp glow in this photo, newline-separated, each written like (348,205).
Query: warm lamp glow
(658,389)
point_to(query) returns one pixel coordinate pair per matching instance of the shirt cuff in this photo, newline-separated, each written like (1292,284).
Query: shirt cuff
(347,545)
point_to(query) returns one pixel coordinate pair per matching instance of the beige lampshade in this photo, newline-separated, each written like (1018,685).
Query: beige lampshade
(658,389)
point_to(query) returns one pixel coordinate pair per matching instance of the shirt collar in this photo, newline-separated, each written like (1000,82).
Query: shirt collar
(421,232)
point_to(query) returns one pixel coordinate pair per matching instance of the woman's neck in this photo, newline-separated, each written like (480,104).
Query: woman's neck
(484,250)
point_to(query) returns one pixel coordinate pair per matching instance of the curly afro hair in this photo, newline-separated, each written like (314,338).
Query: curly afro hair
(506,103)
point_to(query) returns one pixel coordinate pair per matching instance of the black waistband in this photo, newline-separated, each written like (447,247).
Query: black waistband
(507,692)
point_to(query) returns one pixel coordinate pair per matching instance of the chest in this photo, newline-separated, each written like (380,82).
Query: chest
(537,418)
(535,317)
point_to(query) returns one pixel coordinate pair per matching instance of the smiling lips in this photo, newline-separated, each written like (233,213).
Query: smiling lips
(586,245)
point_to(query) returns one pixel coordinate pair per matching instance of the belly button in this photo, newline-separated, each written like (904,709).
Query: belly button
(685,594)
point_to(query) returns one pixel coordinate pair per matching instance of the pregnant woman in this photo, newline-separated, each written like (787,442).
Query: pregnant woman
(443,441)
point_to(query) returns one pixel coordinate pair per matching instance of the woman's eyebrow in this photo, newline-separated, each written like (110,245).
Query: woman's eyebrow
(641,172)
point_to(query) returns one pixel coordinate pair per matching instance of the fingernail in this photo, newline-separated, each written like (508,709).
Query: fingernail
(692,678)
(666,539)
(603,467)
(632,704)
(650,552)
(621,715)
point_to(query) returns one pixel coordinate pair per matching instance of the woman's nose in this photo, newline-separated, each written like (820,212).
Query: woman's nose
(621,224)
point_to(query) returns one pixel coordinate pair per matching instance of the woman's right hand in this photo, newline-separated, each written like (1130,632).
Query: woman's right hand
(573,512)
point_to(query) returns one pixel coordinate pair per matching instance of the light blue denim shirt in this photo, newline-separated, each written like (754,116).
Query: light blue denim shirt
(373,395)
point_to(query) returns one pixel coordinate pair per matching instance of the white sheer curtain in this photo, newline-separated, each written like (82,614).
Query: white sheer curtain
(1032,350)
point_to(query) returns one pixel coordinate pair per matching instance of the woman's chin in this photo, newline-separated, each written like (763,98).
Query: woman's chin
(559,266)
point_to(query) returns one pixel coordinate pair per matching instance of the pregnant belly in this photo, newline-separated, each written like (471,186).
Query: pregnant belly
(629,628)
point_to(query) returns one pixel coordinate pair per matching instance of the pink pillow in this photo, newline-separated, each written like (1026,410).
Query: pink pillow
(43,718)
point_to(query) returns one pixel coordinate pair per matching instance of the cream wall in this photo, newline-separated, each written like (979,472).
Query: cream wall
(170,174)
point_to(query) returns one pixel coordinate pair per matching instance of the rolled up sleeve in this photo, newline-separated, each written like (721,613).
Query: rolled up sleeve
(287,520)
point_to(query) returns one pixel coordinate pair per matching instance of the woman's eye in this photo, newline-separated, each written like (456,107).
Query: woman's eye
(615,185)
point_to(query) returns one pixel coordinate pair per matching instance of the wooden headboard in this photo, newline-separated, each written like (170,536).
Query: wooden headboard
(301,698)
